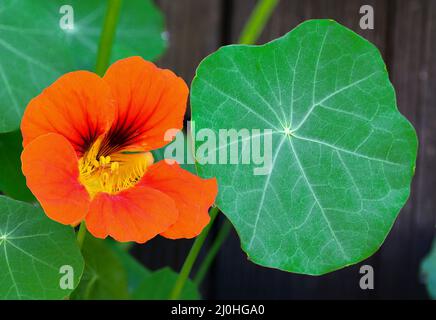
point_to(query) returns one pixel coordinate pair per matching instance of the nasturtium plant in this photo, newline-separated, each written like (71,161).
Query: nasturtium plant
(338,157)
(342,154)
(39,258)
(139,32)
(37,44)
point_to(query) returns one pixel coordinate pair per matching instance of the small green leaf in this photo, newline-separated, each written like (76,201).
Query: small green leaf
(35,50)
(136,272)
(150,285)
(33,250)
(104,277)
(158,286)
(12,181)
(428,271)
(342,156)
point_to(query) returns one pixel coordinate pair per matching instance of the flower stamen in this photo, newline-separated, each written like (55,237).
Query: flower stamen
(112,173)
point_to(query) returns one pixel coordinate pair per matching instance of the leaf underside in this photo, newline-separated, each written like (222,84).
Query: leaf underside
(342,155)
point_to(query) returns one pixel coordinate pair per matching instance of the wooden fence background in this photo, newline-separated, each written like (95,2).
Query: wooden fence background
(405,33)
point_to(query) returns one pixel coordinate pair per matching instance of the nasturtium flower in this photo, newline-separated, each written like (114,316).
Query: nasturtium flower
(87,142)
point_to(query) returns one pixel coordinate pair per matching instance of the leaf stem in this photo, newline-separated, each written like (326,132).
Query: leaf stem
(107,36)
(81,234)
(257,21)
(212,252)
(192,256)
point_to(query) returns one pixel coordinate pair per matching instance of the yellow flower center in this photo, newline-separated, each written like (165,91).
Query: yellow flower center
(112,173)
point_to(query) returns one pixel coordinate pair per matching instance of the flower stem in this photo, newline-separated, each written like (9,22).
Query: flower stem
(212,252)
(192,256)
(81,234)
(257,21)
(107,36)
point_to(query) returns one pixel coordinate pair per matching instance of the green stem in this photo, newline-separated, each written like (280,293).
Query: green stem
(257,21)
(81,234)
(212,252)
(107,36)
(192,256)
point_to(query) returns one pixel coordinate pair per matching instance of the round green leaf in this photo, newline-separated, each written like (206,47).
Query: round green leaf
(33,252)
(35,50)
(342,155)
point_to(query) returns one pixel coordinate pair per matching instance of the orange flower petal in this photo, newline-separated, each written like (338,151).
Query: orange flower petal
(193,197)
(77,106)
(137,214)
(150,101)
(50,166)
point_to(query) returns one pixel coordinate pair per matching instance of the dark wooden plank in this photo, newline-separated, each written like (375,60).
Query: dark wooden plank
(194,30)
